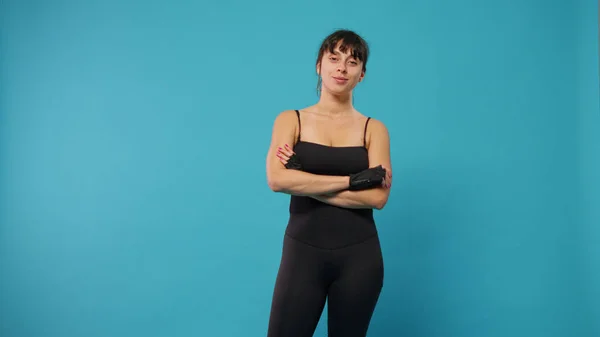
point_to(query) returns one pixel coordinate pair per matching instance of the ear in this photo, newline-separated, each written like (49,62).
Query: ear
(362,76)
(319,68)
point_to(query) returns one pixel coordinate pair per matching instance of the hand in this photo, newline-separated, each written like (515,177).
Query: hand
(387,181)
(369,178)
(288,158)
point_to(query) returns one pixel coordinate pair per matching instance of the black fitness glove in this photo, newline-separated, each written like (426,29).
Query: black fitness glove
(293,163)
(366,179)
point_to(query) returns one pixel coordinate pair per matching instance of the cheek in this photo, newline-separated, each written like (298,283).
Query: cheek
(327,69)
(356,75)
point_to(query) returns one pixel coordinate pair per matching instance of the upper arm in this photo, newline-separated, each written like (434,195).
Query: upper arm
(379,148)
(379,145)
(284,132)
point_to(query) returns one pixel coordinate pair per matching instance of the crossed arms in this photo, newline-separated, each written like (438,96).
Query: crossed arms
(332,190)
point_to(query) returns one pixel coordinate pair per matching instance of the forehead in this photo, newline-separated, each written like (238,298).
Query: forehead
(339,49)
(343,48)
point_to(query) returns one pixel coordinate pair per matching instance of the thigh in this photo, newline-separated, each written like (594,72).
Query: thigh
(354,295)
(299,295)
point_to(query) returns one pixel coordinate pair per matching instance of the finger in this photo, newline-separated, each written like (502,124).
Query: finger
(388,177)
(284,159)
(288,150)
(387,183)
(281,153)
(283,149)
(286,153)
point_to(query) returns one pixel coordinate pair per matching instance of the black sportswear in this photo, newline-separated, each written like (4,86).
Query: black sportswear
(329,253)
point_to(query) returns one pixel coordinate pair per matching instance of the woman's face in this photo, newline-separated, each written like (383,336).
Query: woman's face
(340,72)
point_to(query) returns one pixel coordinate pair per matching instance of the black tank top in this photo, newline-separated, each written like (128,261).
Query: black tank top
(320,224)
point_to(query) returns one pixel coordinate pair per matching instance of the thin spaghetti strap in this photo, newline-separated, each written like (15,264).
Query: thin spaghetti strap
(365,133)
(299,125)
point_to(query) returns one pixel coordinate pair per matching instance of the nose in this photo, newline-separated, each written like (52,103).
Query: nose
(342,67)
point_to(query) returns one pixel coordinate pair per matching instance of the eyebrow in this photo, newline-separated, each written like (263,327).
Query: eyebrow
(338,53)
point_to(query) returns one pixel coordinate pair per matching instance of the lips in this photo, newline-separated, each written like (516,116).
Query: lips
(340,80)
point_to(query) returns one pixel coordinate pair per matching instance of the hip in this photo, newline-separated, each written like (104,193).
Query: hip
(330,233)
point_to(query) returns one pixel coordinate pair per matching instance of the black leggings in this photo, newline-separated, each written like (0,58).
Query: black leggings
(350,278)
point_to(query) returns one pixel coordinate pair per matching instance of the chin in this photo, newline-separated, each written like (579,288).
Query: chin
(339,89)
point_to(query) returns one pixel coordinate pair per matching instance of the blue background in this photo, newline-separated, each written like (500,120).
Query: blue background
(133,135)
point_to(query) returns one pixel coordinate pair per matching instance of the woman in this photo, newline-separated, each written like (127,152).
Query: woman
(335,164)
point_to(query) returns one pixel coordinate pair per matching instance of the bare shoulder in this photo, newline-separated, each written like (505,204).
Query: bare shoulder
(374,124)
(377,132)
(286,120)
(285,128)
(377,125)
(286,116)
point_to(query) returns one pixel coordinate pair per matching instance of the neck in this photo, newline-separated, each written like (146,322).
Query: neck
(335,105)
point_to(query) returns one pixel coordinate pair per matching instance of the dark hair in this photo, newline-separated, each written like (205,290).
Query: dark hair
(347,39)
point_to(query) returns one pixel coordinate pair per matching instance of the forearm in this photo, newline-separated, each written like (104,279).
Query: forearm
(372,198)
(307,184)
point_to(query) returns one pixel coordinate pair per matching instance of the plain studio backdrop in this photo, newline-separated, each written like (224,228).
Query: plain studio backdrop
(133,135)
